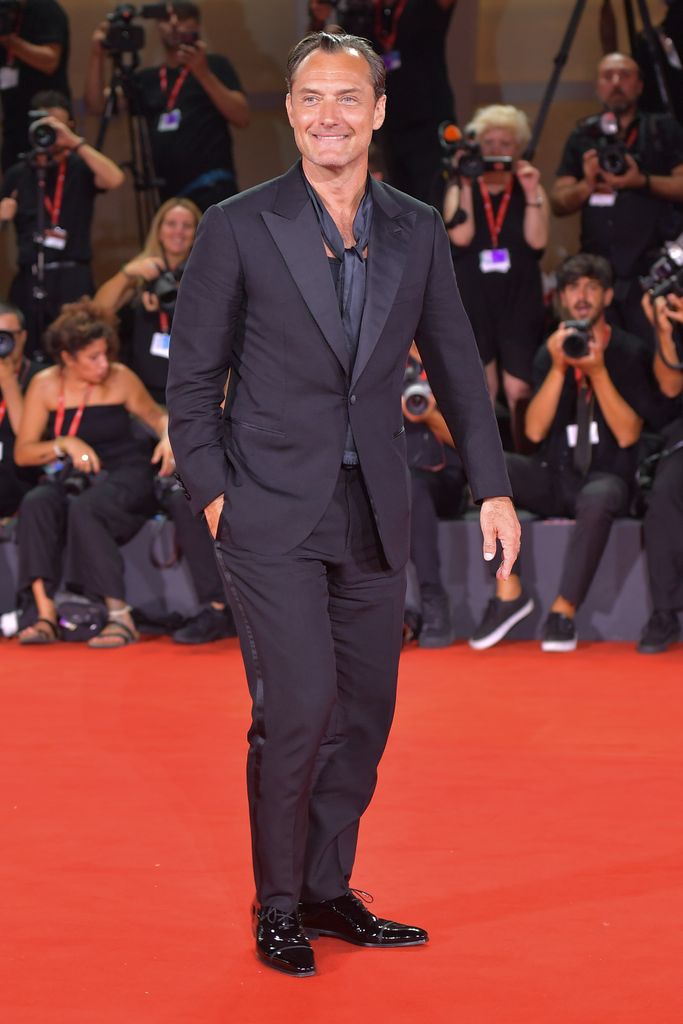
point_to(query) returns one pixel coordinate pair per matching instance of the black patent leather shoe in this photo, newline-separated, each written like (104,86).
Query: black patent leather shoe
(281,943)
(347,918)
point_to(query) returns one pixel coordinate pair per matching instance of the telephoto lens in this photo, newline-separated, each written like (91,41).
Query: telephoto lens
(42,135)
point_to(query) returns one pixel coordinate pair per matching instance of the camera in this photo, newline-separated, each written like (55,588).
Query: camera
(123,35)
(575,345)
(355,16)
(62,472)
(9,16)
(7,344)
(165,287)
(418,398)
(472,163)
(610,148)
(666,273)
(164,487)
(41,134)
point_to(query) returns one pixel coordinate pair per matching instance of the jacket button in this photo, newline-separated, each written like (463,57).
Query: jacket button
(352,399)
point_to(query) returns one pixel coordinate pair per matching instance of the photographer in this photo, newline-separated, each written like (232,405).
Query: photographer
(98,490)
(189,103)
(15,375)
(663,523)
(438,487)
(499,235)
(146,321)
(623,170)
(34,56)
(74,173)
(594,389)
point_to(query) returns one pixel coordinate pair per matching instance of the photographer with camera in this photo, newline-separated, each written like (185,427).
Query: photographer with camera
(594,389)
(67,173)
(143,293)
(98,489)
(623,170)
(16,372)
(496,212)
(189,103)
(34,56)
(663,522)
(437,487)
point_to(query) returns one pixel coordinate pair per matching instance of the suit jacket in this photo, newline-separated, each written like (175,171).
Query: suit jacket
(257,303)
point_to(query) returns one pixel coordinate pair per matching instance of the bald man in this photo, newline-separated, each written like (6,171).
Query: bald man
(628,210)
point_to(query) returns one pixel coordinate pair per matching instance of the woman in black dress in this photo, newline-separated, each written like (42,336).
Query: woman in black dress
(497,249)
(98,490)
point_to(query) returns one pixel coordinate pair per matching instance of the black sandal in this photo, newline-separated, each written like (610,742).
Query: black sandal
(118,632)
(40,636)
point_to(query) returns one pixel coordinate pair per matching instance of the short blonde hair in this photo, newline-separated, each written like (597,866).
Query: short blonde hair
(500,115)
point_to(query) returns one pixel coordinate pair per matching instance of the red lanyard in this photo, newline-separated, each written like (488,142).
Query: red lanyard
(54,206)
(632,136)
(495,226)
(164,322)
(179,82)
(22,380)
(584,387)
(78,415)
(387,36)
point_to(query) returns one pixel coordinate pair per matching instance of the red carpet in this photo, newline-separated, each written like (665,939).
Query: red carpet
(528,814)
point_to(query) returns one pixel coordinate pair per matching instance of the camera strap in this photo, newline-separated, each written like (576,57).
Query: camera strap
(177,86)
(387,17)
(21,377)
(164,322)
(78,415)
(495,224)
(54,205)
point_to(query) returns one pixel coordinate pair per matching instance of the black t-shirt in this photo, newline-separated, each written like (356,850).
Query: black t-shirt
(202,141)
(628,232)
(14,478)
(419,90)
(629,364)
(42,22)
(137,329)
(75,216)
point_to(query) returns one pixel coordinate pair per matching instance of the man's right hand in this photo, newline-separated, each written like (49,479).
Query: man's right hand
(212,514)
(8,207)
(591,168)
(554,345)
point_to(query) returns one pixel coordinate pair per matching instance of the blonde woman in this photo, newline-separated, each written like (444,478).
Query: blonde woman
(499,239)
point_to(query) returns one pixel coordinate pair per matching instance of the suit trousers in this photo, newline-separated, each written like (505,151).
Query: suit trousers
(320,632)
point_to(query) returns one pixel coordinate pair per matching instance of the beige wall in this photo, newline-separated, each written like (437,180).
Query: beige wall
(499,51)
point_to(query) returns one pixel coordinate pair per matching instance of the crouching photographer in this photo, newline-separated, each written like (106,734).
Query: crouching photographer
(16,372)
(143,293)
(97,490)
(663,523)
(438,490)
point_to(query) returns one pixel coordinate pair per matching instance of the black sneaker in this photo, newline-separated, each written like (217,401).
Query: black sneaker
(436,629)
(499,618)
(661,630)
(210,624)
(559,633)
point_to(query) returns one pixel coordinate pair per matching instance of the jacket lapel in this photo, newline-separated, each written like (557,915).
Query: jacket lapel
(294,228)
(388,248)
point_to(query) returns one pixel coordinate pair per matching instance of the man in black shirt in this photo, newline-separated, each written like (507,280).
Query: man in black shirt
(624,216)
(16,372)
(74,174)
(189,103)
(587,415)
(33,57)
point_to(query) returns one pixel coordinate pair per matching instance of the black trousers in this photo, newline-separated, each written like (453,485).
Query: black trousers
(80,537)
(593,501)
(62,284)
(432,494)
(320,632)
(663,530)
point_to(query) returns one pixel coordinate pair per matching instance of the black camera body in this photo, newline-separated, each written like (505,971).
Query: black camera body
(165,287)
(418,398)
(611,149)
(41,135)
(62,473)
(472,163)
(123,35)
(7,344)
(9,16)
(666,273)
(575,345)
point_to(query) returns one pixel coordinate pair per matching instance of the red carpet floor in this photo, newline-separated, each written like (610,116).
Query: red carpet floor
(528,813)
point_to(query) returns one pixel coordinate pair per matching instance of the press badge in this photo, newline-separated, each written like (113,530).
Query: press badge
(169,121)
(2,447)
(392,60)
(9,78)
(160,344)
(602,199)
(494,261)
(55,238)
(573,434)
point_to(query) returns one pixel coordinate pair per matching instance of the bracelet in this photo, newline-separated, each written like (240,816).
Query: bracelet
(131,277)
(58,450)
(78,145)
(538,201)
(646,185)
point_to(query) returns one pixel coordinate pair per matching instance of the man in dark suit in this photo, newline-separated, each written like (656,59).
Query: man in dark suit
(305,293)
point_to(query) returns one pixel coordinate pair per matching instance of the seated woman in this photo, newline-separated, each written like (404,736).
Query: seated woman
(77,420)
(498,245)
(146,316)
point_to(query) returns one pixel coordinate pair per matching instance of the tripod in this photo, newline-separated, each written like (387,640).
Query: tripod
(140,163)
(563,53)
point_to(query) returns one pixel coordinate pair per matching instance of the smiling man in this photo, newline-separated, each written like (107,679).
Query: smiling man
(305,294)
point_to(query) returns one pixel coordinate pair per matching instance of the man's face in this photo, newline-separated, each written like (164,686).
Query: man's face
(333,110)
(585,299)
(619,83)
(172,29)
(9,322)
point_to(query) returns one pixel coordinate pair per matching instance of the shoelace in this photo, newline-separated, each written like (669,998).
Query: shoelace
(360,894)
(279,918)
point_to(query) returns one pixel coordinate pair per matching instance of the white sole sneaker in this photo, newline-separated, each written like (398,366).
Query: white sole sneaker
(497,635)
(559,646)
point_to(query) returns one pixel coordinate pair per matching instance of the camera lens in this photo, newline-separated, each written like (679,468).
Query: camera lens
(6,344)
(42,135)
(575,345)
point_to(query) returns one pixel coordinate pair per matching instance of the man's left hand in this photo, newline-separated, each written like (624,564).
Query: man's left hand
(499,521)
(632,179)
(194,58)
